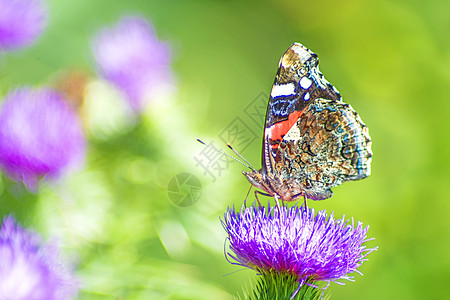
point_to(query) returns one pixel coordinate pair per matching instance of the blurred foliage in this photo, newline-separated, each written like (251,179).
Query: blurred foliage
(389,59)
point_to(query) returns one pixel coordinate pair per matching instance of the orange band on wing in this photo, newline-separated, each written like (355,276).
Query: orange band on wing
(278,130)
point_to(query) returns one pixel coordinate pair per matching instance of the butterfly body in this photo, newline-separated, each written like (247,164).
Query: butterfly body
(313,141)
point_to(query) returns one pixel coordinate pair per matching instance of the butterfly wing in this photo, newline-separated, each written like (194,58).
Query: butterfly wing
(298,83)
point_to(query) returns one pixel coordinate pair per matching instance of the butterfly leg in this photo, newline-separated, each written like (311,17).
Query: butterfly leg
(256,196)
(302,194)
(245,200)
(278,204)
(304,200)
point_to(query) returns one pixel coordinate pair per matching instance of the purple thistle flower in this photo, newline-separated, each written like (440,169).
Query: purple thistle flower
(29,269)
(39,135)
(299,243)
(132,58)
(21,22)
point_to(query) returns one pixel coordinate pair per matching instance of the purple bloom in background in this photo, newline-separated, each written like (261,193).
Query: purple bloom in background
(39,135)
(21,22)
(31,270)
(132,58)
(308,246)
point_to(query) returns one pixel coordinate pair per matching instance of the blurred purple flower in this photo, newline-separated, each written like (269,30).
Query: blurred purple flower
(39,135)
(31,270)
(299,243)
(132,58)
(21,22)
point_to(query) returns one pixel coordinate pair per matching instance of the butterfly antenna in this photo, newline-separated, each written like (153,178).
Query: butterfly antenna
(243,158)
(220,151)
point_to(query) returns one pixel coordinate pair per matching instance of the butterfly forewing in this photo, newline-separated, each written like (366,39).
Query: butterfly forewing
(297,84)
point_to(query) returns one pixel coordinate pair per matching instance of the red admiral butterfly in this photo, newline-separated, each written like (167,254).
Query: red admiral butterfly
(313,141)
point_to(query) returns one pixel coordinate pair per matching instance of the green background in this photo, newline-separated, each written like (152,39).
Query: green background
(389,59)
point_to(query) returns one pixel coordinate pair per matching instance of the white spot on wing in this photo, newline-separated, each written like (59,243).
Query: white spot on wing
(287,89)
(305,83)
(293,134)
(306,96)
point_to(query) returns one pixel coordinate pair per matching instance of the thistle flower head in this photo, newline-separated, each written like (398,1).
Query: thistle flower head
(21,22)
(131,57)
(39,135)
(29,269)
(307,246)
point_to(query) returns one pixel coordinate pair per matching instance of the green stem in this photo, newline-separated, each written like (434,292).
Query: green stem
(276,286)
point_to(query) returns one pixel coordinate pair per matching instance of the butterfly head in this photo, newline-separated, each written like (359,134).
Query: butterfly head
(259,180)
(254,177)
(295,63)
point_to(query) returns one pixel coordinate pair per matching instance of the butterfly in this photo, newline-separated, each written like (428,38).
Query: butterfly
(312,141)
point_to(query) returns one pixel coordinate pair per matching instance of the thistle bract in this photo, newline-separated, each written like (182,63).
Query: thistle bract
(131,57)
(30,269)
(21,22)
(39,135)
(297,242)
